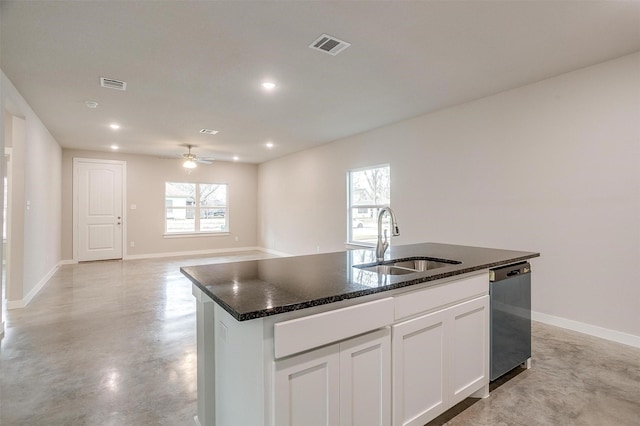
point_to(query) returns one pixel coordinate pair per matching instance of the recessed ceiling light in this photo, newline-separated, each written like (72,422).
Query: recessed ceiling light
(114,126)
(268,85)
(115,147)
(269,145)
(236,158)
(91,104)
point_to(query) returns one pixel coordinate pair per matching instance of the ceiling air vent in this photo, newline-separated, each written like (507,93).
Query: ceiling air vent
(328,44)
(208,131)
(111,83)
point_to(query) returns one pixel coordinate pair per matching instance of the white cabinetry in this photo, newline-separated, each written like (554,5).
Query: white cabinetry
(468,349)
(401,360)
(347,383)
(365,380)
(306,388)
(438,360)
(418,369)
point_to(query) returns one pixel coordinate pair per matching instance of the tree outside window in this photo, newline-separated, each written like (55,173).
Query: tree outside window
(369,191)
(195,208)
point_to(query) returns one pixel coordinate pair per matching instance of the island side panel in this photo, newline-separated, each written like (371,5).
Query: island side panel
(205,362)
(231,380)
(239,370)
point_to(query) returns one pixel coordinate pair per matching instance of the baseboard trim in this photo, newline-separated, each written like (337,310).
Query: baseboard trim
(21,303)
(274,252)
(592,330)
(17,304)
(190,253)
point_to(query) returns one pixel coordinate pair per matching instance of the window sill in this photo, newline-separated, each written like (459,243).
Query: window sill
(196,234)
(358,246)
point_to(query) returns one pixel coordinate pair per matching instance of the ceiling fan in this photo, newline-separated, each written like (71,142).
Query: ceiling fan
(190,159)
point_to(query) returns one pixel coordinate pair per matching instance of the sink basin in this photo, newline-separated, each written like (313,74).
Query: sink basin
(423,264)
(387,269)
(406,266)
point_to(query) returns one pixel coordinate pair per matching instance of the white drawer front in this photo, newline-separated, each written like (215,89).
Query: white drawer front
(428,299)
(301,334)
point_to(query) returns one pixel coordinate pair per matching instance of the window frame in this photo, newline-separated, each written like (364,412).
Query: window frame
(351,207)
(196,208)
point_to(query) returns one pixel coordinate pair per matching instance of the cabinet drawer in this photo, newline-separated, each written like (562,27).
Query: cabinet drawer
(301,334)
(428,299)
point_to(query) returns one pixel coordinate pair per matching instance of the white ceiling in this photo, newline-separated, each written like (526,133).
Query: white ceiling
(193,65)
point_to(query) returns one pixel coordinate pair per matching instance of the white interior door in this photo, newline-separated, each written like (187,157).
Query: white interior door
(98,187)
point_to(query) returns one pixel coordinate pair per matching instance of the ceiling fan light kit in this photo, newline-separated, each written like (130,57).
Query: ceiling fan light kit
(190,159)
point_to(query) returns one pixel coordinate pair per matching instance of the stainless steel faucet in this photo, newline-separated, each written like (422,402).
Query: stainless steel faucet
(395,231)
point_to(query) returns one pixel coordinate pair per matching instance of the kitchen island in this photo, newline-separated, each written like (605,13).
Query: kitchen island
(318,340)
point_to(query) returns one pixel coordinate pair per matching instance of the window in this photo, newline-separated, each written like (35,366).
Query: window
(192,208)
(369,191)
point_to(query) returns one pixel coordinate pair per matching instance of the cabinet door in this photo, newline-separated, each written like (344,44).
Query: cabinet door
(468,327)
(418,369)
(365,380)
(307,389)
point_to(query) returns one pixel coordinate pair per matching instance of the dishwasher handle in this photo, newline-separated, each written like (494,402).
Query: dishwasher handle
(509,271)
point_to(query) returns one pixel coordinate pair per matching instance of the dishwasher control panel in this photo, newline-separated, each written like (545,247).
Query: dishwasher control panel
(505,272)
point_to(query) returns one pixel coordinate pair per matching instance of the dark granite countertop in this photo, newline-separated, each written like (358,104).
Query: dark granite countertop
(259,288)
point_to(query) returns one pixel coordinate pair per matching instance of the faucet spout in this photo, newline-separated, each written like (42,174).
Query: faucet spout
(382,246)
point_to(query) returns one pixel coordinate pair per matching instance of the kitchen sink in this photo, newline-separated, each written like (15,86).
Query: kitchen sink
(387,269)
(406,266)
(423,264)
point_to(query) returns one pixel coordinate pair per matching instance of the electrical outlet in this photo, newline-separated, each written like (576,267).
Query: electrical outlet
(132,244)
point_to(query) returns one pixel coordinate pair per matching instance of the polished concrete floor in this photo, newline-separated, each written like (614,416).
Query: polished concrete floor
(575,379)
(113,343)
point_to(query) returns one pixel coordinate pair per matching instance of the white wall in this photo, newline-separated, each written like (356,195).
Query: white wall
(4,131)
(146,177)
(552,167)
(40,168)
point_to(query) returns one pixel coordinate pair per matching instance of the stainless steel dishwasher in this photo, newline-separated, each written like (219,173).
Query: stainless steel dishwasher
(510,299)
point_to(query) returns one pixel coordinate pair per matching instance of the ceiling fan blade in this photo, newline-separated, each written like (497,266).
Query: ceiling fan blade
(203,161)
